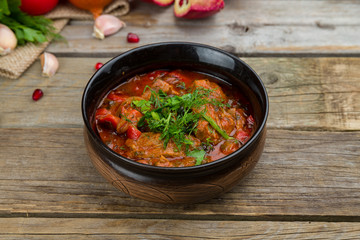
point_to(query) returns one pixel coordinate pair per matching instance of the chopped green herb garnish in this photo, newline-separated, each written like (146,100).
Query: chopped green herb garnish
(144,105)
(216,127)
(207,145)
(174,118)
(198,155)
(126,119)
(181,85)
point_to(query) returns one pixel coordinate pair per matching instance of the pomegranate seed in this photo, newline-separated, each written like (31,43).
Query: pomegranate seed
(98,65)
(133,38)
(37,94)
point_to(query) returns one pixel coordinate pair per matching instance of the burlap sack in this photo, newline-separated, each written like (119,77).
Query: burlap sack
(15,63)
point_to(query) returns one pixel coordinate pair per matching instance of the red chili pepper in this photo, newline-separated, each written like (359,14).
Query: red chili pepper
(133,133)
(242,136)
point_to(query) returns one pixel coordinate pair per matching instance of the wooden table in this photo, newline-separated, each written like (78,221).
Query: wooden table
(306,185)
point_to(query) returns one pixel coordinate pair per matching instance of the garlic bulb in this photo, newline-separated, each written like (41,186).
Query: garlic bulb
(49,64)
(106,25)
(8,40)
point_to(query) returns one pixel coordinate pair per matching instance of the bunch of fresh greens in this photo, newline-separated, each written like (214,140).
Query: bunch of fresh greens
(174,118)
(36,29)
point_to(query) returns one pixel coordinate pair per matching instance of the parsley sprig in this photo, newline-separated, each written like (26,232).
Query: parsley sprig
(35,29)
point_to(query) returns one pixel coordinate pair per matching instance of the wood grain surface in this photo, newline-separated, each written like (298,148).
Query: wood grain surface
(305,186)
(309,168)
(90,228)
(305,93)
(244,27)
(47,172)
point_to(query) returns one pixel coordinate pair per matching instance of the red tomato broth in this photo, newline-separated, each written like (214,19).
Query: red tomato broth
(181,80)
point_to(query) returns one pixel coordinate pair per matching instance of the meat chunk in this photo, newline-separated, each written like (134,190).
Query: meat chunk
(229,146)
(149,145)
(160,84)
(216,93)
(127,114)
(239,115)
(206,132)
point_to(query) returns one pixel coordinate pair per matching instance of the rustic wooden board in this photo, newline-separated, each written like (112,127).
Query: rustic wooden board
(306,185)
(244,27)
(46,172)
(85,228)
(305,93)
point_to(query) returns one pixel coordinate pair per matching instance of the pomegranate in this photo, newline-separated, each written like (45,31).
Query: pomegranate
(197,8)
(162,3)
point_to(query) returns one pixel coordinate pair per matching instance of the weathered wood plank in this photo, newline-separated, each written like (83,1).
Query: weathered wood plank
(243,27)
(301,175)
(311,92)
(64,228)
(305,93)
(235,38)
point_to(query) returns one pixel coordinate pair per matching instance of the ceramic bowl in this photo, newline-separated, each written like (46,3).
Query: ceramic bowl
(184,184)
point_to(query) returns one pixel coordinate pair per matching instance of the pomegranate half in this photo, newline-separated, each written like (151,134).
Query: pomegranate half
(197,8)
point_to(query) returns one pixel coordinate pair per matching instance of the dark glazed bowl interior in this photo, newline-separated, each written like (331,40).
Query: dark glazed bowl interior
(173,55)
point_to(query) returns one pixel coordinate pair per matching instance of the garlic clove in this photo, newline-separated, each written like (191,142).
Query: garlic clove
(49,64)
(106,25)
(8,40)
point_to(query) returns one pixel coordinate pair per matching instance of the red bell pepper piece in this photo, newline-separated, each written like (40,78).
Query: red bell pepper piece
(242,136)
(131,114)
(133,133)
(104,116)
(101,112)
(250,121)
(113,120)
(116,97)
